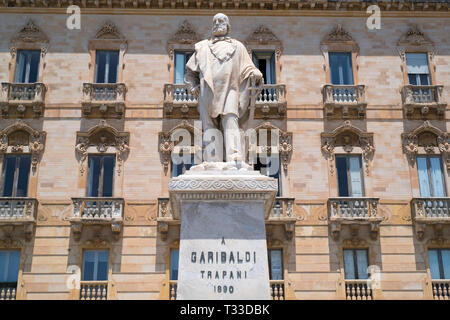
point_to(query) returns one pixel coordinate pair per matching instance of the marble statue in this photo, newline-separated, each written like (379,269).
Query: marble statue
(220,73)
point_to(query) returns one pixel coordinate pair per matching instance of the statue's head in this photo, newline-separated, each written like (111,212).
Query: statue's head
(221,25)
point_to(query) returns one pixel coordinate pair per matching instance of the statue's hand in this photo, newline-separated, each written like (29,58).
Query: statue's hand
(257,75)
(195,91)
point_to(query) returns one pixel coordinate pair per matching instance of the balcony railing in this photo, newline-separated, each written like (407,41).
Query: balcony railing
(431,209)
(352,210)
(277,289)
(93,290)
(97,211)
(441,289)
(104,98)
(271,101)
(22,96)
(358,290)
(18,209)
(8,290)
(351,98)
(423,98)
(173,285)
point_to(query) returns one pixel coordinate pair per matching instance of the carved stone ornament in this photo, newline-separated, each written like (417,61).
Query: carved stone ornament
(109,31)
(264,36)
(29,34)
(426,139)
(339,36)
(414,37)
(348,136)
(185,35)
(102,137)
(19,137)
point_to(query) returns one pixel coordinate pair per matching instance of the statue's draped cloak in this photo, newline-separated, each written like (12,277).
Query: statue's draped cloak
(223,69)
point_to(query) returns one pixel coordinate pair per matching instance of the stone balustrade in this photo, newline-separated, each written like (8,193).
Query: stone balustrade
(104,99)
(353,211)
(425,98)
(8,291)
(350,99)
(358,290)
(97,211)
(277,289)
(173,285)
(432,211)
(441,289)
(18,98)
(271,102)
(93,290)
(20,211)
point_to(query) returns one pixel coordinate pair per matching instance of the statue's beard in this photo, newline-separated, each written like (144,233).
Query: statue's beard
(220,31)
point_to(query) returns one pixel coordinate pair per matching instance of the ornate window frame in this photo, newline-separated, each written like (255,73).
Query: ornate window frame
(33,144)
(29,37)
(9,243)
(339,40)
(102,139)
(263,39)
(416,41)
(339,141)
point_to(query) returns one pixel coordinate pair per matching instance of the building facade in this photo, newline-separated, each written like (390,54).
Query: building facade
(362,210)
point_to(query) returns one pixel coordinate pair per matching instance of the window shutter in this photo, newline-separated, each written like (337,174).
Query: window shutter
(341,68)
(436,177)
(361,261)
(417,63)
(446,262)
(355,176)
(423,177)
(180,65)
(434,264)
(174,257)
(276,265)
(349,265)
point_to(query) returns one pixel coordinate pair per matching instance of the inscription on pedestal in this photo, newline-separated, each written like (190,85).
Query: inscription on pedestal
(223,252)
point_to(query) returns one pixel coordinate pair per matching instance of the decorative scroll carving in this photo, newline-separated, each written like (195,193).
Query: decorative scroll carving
(264,36)
(29,35)
(426,139)
(414,37)
(109,31)
(21,138)
(102,137)
(339,36)
(185,35)
(348,136)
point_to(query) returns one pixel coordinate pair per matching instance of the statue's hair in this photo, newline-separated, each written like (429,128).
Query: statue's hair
(226,19)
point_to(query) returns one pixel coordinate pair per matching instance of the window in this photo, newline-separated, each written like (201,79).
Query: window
(106,65)
(95,265)
(27,66)
(355,264)
(275,264)
(431,178)
(270,169)
(16,169)
(341,72)
(181,58)
(101,175)
(265,62)
(439,263)
(349,176)
(174,254)
(9,267)
(417,69)
(179,169)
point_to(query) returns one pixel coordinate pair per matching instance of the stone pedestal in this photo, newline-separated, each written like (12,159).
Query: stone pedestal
(223,251)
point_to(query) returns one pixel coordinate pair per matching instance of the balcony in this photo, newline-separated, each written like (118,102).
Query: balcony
(354,212)
(430,211)
(105,100)
(270,102)
(349,99)
(22,99)
(358,290)
(19,211)
(282,213)
(441,289)
(277,289)
(94,290)
(8,290)
(173,285)
(427,99)
(97,211)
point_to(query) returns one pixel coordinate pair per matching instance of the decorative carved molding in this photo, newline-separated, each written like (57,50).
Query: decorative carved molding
(262,35)
(348,136)
(109,31)
(338,37)
(104,100)
(103,136)
(185,35)
(20,137)
(426,139)
(30,36)
(22,99)
(415,37)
